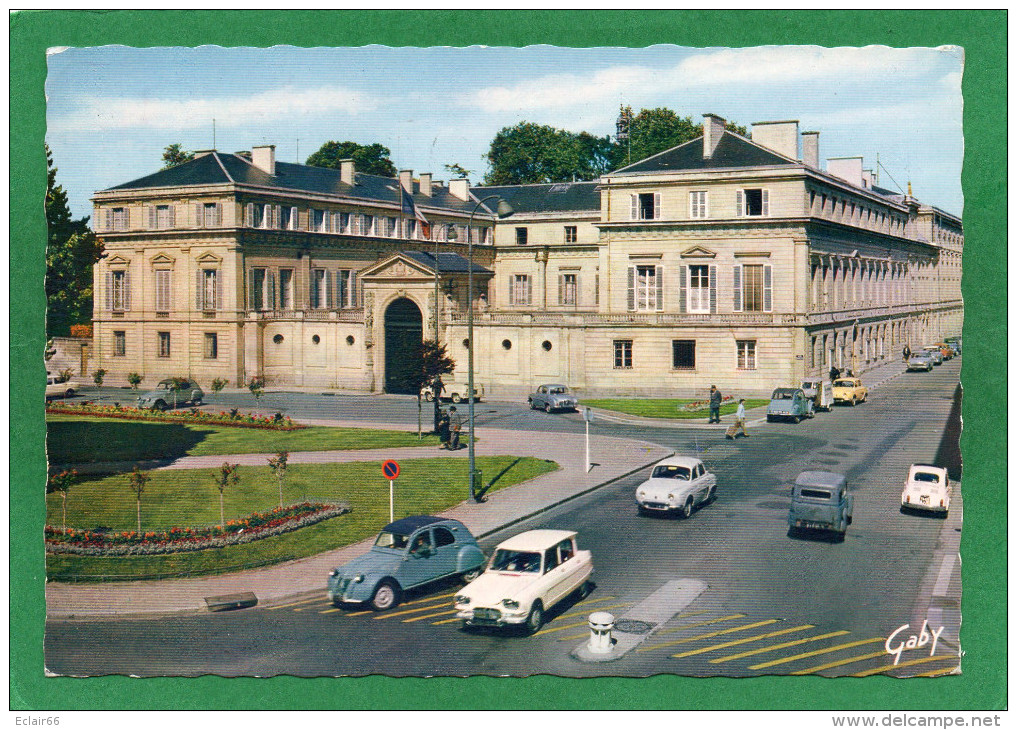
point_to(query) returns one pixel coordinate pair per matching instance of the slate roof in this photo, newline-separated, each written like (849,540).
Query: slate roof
(732,151)
(218,168)
(545,198)
(449,263)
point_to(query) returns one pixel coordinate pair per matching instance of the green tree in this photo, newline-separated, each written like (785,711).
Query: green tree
(257,388)
(174,155)
(538,153)
(434,361)
(62,482)
(655,130)
(134,379)
(227,476)
(278,464)
(372,159)
(457,170)
(71,251)
(218,384)
(137,480)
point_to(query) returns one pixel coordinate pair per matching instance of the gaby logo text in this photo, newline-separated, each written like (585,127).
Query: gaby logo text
(922,638)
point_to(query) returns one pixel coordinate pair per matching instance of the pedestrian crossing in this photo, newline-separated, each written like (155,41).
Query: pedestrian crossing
(693,643)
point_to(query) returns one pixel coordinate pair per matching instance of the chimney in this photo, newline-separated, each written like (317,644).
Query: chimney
(846,168)
(347,172)
(810,149)
(781,137)
(202,153)
(713,129)
(406,180)
(246,154)
(263,157)
(867,179)
(460,188)
(425,184)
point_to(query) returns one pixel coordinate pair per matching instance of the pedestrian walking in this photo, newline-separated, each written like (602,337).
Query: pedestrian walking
(443,429)
(739,423)
(834,372)
(715,399)
(456,427)
(907,353)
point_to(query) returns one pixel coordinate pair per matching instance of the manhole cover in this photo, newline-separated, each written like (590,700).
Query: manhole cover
(628,626)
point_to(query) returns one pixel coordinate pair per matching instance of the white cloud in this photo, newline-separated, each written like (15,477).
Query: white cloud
(766,65)
(168,113)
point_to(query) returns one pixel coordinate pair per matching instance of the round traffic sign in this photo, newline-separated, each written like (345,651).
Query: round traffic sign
(390,469)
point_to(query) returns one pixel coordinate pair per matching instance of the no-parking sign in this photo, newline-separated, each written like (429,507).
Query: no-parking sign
(390,469)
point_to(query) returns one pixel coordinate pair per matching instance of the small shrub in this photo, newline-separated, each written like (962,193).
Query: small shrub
(257,387)
(66,374)
(134,379)
(99,375)
(218,384)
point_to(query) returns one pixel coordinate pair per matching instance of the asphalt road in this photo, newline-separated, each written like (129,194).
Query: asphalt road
(773,604)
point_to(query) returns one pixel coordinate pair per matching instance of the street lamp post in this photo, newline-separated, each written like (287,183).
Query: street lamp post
(504,210)
(437,395)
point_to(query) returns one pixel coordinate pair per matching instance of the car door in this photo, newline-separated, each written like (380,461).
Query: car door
(539,399)
(698,486)
(418,562)
(446,551)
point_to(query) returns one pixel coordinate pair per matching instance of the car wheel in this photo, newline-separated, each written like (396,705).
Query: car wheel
(429,397)
(456,398)
(686,510)
(471,575)
(69,393)
(160,406)
(583,591)
(196,402)
(711,496)
(850,519)
(386,595)
(547,408)
(536,618)
(853,402)
(770,419)
(797,419)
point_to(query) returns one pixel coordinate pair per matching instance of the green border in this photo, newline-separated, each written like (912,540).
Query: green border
(983,35)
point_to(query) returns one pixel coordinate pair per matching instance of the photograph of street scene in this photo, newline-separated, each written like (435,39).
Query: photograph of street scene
(504,361)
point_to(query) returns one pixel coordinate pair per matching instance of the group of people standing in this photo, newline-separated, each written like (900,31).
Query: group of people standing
(739,425)
(450,426)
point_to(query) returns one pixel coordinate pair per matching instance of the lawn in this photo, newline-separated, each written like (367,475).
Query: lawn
(188,497)
(664,407)
(78,439)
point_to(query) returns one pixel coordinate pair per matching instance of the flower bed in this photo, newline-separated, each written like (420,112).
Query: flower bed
(702,405)
(278,422)
(101,543)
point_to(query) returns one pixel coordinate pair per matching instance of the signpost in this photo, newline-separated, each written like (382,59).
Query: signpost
(391,470)
(588,416)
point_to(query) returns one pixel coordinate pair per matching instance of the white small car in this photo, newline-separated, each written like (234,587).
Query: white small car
(676,484)
(57,387)
(526,577)
(927,489)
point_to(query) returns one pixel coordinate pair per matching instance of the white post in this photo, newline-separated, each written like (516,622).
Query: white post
(391,500)
(587,419)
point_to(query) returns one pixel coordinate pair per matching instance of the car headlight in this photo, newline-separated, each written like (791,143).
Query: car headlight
(359,578)
(462,600)
(509,603)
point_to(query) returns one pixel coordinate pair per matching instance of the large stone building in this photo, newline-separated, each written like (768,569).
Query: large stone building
(724,260)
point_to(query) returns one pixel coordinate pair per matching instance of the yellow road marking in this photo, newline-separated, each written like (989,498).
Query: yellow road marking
(581,623)
(294,603)
(736,642)
(383,616)
(446,621)
(304,608)
(841,662)
(334,610)
(707,635)
(702,623)
(430,615)
(774,647)
(923,660)
(817,652)
(430,598)
(938,672)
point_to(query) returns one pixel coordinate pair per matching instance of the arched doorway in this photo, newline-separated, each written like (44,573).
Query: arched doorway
(404,331)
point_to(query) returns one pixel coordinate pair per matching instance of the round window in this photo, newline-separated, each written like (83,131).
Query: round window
(546,344)
(466,344)
(507,344)
(277,339)
(315,339)
(349,339)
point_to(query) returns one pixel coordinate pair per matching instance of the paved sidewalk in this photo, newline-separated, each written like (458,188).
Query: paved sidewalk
(615,458)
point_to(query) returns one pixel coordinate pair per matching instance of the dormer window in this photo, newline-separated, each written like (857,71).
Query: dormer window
(753,202)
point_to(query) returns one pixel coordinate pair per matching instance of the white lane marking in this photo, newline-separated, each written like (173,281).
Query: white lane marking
(945,571)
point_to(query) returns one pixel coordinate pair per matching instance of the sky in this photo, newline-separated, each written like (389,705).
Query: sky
(111,110)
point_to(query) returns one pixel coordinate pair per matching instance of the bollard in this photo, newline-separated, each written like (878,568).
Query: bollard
(601,624)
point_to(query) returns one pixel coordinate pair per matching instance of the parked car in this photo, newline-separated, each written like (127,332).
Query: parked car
(408,553)
(553,397)
(57,387)
(676,484)
(946,350)
(527,576)
(789,403)
(955,343)
(820,501)
(170,393)
(928,489)
(849,390)
(820,392)
(935,353)
(920,361)
(455,391)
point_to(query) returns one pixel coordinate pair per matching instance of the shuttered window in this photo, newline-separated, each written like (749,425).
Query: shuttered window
(118,291)
(207,215)
(208,290)
(753,202)
(645,206)
(161,217)
(285,288)
(753,288)
(119,343)
(697,204)
(257,283)
(519,289)
(162,290)
(163,344)
(211,346)
(645,288)
(568,289)
(320,296)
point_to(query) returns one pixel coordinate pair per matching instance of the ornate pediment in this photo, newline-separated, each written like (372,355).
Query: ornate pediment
(118,260)
(698,252)
(398,267)
(161,259)
(209,258)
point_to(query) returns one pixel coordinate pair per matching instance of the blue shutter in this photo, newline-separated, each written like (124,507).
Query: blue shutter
(682,293)
(737,288)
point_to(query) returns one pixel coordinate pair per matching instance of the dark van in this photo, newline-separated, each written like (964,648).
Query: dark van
(820,501)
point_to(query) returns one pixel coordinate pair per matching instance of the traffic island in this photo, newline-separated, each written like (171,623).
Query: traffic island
(611,640)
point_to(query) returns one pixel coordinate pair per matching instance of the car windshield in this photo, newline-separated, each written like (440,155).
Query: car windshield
(782,393)
(924,476)
(845,384)
(515,561)
(561,389)
(815,493)
(810,385)
(392,540)
(667,471)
